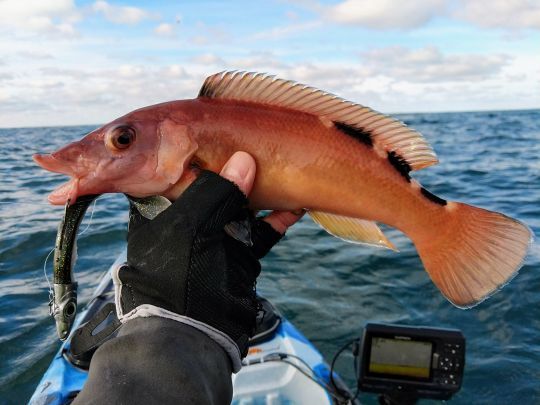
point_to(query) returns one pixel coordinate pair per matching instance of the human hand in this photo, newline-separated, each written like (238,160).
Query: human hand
(182,265)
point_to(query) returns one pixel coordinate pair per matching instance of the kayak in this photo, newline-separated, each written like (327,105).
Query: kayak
(282,366)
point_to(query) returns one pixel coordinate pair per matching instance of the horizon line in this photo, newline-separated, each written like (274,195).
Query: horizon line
(390,114)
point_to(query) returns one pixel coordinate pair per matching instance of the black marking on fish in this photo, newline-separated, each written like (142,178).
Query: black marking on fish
(433,197)
(400,165)
(357,133)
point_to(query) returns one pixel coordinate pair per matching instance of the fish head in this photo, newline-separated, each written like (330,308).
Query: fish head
(140,154)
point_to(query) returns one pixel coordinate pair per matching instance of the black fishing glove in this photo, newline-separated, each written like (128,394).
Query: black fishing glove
(182,265)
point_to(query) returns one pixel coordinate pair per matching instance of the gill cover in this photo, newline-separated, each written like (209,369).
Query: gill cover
(176,149)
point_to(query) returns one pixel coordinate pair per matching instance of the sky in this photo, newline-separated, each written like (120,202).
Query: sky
(66,62)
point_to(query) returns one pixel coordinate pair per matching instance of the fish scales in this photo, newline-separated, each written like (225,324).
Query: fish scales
(303,161)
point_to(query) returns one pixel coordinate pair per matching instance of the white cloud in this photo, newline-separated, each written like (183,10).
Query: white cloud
(6,76)
(208,59)
(258,61)
(60,16)
(34,54)
(97,93)
(120,14)
(165,30)
(391,94)
(211,34)
(385,14)
(35,16)
(20,10)
(175,71)
(252,61)
(287,30)
(92,94)
(388,14)
(129,71)
(3,95)
(429,64)
(515,14)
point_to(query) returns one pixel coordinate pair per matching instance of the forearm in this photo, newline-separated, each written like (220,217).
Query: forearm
(157,360)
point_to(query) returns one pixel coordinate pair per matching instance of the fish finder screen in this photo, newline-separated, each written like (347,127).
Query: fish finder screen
(400,357)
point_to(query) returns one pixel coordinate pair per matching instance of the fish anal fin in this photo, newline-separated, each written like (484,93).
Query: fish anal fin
(352,230)
(362,123)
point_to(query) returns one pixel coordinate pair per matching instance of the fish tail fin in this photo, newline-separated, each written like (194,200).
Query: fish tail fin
(471,252)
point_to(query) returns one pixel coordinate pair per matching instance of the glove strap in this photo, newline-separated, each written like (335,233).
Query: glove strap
(86,340)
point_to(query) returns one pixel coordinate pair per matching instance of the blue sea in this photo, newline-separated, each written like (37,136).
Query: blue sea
(327,288)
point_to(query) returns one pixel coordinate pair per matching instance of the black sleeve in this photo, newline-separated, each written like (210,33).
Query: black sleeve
(157,360)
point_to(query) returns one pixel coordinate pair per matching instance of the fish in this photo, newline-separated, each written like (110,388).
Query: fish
(346,164)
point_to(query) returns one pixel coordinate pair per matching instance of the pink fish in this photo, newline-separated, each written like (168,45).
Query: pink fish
(345,163)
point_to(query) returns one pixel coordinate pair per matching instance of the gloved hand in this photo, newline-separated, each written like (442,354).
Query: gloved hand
(182,265)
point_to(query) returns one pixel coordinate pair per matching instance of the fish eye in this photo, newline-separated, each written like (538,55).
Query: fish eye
(121,137)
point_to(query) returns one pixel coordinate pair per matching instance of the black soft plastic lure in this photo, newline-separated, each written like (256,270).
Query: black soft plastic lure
(63,305)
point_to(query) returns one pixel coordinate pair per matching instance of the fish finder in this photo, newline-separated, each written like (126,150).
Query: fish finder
(405,363)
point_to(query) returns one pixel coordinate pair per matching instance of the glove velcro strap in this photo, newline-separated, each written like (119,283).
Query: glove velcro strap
(230,347)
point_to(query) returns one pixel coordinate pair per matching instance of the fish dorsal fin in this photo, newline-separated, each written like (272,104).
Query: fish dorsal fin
(353,230)
(365,124)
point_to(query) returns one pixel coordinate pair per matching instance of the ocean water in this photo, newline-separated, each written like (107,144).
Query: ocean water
(327,288)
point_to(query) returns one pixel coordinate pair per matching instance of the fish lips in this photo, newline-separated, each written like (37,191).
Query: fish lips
(51,163)
(68,191)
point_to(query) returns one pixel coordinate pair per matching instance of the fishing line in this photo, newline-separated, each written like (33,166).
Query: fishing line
(51,294)
(91,217)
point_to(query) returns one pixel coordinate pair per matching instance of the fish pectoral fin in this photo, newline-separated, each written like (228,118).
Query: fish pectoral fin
(354,230)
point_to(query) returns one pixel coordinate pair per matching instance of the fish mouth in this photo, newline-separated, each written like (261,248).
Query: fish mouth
(67,192)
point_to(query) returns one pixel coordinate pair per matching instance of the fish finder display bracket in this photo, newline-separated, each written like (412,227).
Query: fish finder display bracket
(406,363)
